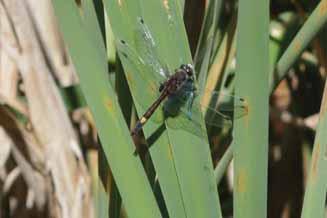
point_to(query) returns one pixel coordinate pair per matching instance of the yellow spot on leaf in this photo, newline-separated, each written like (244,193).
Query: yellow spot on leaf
(315,159)
(297,45)
(152,87)
(166,4)
(241,181)
(109,104)
(129,78)
(170,152)
(246,107)
(247,113)
(120,2)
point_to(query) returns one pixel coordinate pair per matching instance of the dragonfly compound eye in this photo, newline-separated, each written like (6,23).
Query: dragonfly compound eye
(189,69)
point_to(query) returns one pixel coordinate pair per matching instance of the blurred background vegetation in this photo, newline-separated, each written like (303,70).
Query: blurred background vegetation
(67,104)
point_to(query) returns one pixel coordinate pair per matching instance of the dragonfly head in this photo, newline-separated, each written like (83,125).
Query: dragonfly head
(188,68)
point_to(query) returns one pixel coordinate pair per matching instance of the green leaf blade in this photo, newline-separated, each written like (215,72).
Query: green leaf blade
(137,196)
(251,131)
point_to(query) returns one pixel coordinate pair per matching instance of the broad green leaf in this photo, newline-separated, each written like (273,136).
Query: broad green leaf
(181,159)
(251,131)
(89,60)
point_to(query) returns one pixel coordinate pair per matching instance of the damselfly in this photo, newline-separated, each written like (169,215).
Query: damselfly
(177,91)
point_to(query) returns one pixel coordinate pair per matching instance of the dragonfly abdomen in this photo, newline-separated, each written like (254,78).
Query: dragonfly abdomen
(149,113)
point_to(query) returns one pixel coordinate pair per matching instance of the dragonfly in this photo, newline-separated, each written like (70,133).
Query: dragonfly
(175,91)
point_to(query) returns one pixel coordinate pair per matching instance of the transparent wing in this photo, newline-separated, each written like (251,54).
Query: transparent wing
(145,88)
(220,113)
(221,104)
(146,69)
(147,49)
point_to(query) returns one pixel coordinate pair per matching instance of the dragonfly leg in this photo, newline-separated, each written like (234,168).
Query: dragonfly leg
(189,104)
(162,85)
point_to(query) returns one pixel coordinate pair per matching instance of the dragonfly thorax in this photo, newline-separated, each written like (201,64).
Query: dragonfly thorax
(178,80)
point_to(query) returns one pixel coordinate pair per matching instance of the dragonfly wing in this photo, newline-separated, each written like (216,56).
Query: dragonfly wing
(211,116)
(130,55)
(220,112)
(190,119)
(137,78)
(186,119)
(222,103)
(147,49)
